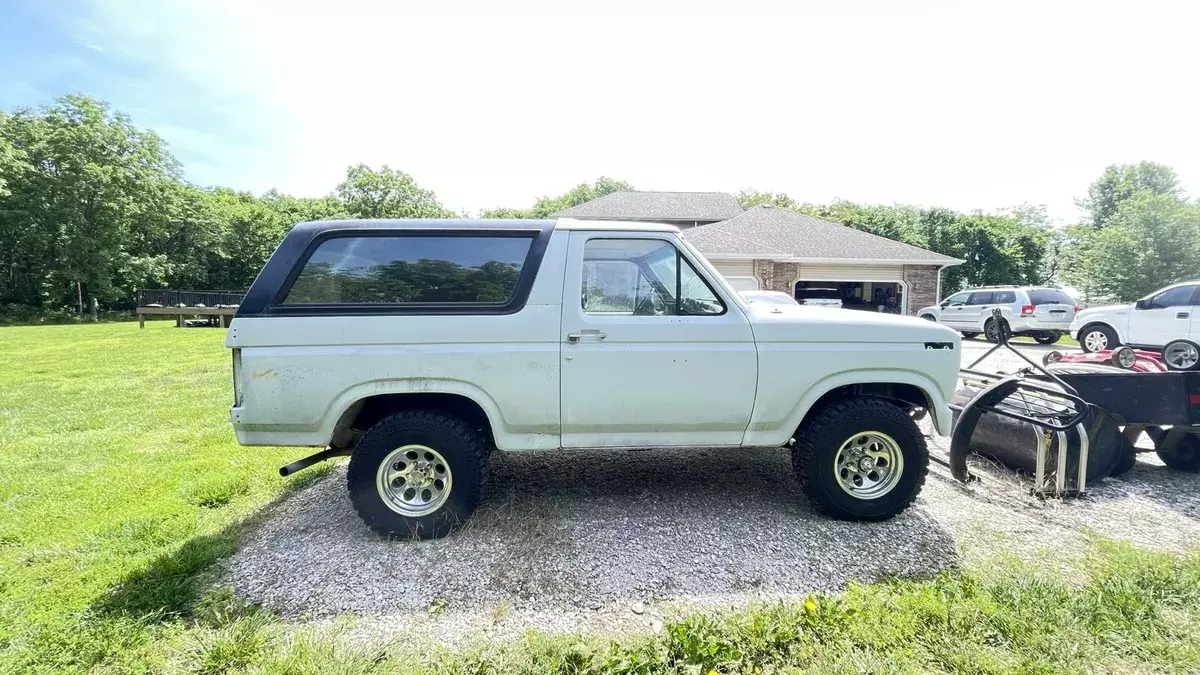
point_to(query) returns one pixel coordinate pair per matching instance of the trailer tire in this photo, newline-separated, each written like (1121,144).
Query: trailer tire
(970,335)
(836,459)
(1047,338)
(447,456)
(1185,456)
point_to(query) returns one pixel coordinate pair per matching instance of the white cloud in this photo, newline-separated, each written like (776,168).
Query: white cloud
(939,106)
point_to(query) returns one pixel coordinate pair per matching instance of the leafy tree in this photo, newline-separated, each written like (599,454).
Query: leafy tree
(545,207)
(86,179)
(386,193)
(749,198)
(1150,241)
(1120,182)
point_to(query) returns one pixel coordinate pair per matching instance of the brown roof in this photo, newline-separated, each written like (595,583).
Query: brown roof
(658,206)
(769,232)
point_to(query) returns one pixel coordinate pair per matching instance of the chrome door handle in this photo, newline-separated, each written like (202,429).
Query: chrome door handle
(586,332)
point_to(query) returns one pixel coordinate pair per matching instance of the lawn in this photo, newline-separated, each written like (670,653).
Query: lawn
(121,485)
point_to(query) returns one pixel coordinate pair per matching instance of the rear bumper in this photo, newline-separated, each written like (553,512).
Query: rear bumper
(1028,323)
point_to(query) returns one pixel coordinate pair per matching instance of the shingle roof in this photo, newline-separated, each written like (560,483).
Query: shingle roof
(665,206)
(768,232)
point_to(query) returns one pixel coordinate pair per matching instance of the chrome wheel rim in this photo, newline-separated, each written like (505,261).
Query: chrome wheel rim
(868,465)
(1095,341)
(414,480)
(1181,355)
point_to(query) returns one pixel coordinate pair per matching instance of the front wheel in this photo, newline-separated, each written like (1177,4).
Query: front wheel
(860,458)
(417,474)
(1098,338)
(1047,338)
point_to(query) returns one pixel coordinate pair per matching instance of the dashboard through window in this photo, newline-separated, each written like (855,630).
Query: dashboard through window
(643,277)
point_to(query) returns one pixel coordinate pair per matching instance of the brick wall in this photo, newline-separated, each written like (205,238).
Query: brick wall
(922,281)
(776,276)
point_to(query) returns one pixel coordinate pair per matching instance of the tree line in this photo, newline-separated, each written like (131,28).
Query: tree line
(93,208)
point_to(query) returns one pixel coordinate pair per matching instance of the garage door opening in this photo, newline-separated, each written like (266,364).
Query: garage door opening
(872,296)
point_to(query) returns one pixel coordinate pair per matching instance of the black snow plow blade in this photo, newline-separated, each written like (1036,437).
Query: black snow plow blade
(1040,426)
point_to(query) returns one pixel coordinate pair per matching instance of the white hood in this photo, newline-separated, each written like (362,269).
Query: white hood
(792,323)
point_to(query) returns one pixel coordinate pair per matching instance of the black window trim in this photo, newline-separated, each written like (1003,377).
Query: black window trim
(679,257)
(277,277)
(1193,300)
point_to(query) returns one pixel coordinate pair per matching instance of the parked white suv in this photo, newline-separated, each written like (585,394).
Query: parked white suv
(418,347)
(1167,319)
(1044,314)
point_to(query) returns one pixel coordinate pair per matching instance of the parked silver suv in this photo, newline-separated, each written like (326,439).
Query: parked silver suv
(1045,314)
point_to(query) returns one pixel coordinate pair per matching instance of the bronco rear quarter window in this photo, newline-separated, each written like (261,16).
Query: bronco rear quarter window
(414,271)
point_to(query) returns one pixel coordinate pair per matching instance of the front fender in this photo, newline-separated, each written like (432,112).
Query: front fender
(938,407)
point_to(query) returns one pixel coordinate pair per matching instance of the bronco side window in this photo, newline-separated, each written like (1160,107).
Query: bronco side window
(643,277)
(431,269)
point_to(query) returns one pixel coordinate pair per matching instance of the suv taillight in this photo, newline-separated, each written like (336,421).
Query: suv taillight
(1076,309)
(1026,310)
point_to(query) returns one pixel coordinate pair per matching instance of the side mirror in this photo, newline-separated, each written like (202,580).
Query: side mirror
(1142,304)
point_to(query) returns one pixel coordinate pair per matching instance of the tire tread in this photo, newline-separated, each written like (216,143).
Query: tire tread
(817,426)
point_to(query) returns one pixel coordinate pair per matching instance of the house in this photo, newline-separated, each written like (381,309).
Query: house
(777,249)
(684,210)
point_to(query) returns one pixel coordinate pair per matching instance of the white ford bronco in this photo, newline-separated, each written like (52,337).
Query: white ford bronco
(417,347)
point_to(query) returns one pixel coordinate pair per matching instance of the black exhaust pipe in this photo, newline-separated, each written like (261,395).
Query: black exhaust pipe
(300,464)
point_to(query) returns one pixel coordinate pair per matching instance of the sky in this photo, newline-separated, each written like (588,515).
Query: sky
(955,104)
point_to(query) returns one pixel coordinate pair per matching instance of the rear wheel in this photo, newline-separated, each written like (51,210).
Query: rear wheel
(1047,338)
(991,329)
(1181,355)
(1098,337)
(417,474)
(1184,455)
(860,459)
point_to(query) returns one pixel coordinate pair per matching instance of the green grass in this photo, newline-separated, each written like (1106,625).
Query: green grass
(121,485)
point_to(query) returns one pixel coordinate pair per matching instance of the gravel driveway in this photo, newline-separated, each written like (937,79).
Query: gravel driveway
(616,540)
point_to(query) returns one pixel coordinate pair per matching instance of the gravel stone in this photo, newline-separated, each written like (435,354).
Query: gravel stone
(581,540)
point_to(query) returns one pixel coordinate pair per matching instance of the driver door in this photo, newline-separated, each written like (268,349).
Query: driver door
(652,354)
(1166,317)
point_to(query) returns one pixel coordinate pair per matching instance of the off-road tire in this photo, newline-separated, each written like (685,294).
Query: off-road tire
(991,330)
(464,450)
(970,335)
(1109,334)
(821,436)
(1185,456)
(1047,338)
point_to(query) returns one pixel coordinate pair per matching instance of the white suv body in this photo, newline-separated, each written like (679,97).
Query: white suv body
(1166,315)
(417,347)
(1042,313)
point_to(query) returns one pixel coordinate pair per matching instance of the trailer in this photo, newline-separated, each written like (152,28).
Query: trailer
(1075,409)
